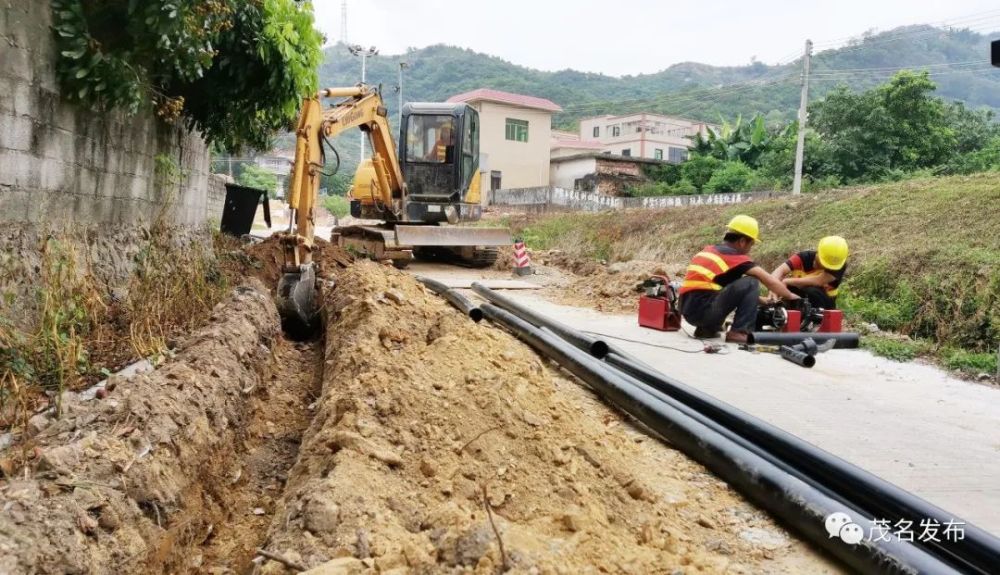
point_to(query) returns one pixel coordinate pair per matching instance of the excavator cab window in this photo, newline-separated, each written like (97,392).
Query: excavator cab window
(430,138)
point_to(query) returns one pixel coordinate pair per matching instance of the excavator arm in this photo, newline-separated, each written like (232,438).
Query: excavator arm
(359,107)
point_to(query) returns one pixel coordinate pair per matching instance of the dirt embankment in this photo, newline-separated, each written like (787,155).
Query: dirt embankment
(440,445)
(132,483)
(611,288)
(266,259)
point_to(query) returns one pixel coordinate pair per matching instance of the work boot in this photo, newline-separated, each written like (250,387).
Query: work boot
(736,337)
(705,333)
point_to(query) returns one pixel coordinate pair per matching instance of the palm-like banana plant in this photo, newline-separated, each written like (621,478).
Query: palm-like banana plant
(739,141)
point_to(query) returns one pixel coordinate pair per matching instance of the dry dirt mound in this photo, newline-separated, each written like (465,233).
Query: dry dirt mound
(267,259)
(126,484)
(613,288)
(436,440)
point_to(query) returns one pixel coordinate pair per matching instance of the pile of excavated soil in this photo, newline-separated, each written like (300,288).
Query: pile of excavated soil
(132,482)
(611,288)
(267,259)
(440,445)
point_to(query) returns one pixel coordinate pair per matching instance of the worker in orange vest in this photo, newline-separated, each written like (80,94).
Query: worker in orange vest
(722,278)
(439,153)
(816,274)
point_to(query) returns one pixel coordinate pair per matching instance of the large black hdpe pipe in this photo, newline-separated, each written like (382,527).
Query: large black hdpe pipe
(979,551)
(796,502)
(595,347)
(454,298)
(844,340)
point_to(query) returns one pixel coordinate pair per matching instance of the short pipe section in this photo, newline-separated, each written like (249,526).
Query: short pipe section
(843,340)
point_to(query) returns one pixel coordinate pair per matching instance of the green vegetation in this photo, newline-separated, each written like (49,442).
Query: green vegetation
(895,348)
(438,72)
(337,205)
(925,252)
(889,132)
(236,71)
(254,176)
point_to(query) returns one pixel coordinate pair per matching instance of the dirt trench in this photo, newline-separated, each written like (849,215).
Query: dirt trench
(443,446)
(408,440)
(175,471)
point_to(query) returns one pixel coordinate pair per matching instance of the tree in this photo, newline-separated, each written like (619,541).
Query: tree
(742,141)
(236,71)
(337,184)
(254,176)
(896,127)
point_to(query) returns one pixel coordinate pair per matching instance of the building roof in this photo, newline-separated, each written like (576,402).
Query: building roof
(490,95)
(608,157)
(581,144)
(649,114)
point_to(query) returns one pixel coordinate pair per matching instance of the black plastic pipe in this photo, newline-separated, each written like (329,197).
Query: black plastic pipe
(456,299)
(844,340)
(596,347)
(797,356)
(796,502)
(979,551)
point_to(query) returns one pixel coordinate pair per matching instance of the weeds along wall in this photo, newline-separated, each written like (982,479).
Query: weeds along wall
(63,163)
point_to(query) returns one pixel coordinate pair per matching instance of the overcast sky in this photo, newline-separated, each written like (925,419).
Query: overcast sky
(620,37)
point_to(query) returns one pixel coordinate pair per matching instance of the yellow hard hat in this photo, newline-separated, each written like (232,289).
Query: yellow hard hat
(832,252)
(743,224)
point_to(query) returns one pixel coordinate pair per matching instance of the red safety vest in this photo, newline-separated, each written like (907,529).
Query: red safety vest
(706,265)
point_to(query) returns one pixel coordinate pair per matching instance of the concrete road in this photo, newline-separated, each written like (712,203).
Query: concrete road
(912,424)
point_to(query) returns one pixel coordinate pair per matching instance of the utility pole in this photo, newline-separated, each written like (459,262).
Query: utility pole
(358,50)
(399,89)
(800,147)
(343,22)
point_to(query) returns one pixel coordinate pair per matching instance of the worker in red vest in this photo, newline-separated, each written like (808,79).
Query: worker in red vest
(816,274)
(722,278)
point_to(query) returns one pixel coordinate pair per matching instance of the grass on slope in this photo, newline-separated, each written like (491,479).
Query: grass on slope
(925,253)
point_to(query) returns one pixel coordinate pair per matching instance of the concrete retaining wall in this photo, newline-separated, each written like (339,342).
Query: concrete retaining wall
(63,163)
(534,198)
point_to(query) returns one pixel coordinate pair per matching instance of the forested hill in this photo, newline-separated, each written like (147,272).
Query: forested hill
(957,59)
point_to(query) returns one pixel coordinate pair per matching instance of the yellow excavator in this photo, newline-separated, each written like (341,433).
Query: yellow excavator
(409,199)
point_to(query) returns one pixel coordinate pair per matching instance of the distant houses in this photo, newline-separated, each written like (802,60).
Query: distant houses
(519,148)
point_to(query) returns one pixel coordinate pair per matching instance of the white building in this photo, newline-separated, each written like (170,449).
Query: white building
(651,136)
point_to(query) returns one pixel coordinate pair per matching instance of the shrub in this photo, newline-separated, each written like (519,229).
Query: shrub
(730,177)
(337,205)
(698,170)
(683,188)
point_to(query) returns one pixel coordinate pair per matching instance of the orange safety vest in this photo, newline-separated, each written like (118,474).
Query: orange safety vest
(441,152)
(706,266)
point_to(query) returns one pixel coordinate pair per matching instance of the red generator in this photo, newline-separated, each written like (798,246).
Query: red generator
(658,305)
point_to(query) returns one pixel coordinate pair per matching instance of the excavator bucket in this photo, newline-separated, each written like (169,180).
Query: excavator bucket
(449,236)
(297,302)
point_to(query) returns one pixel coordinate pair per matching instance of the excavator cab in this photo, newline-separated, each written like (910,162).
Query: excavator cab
(439,155)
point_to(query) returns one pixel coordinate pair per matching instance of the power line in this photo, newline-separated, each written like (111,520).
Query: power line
(869,42)
(952,22)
